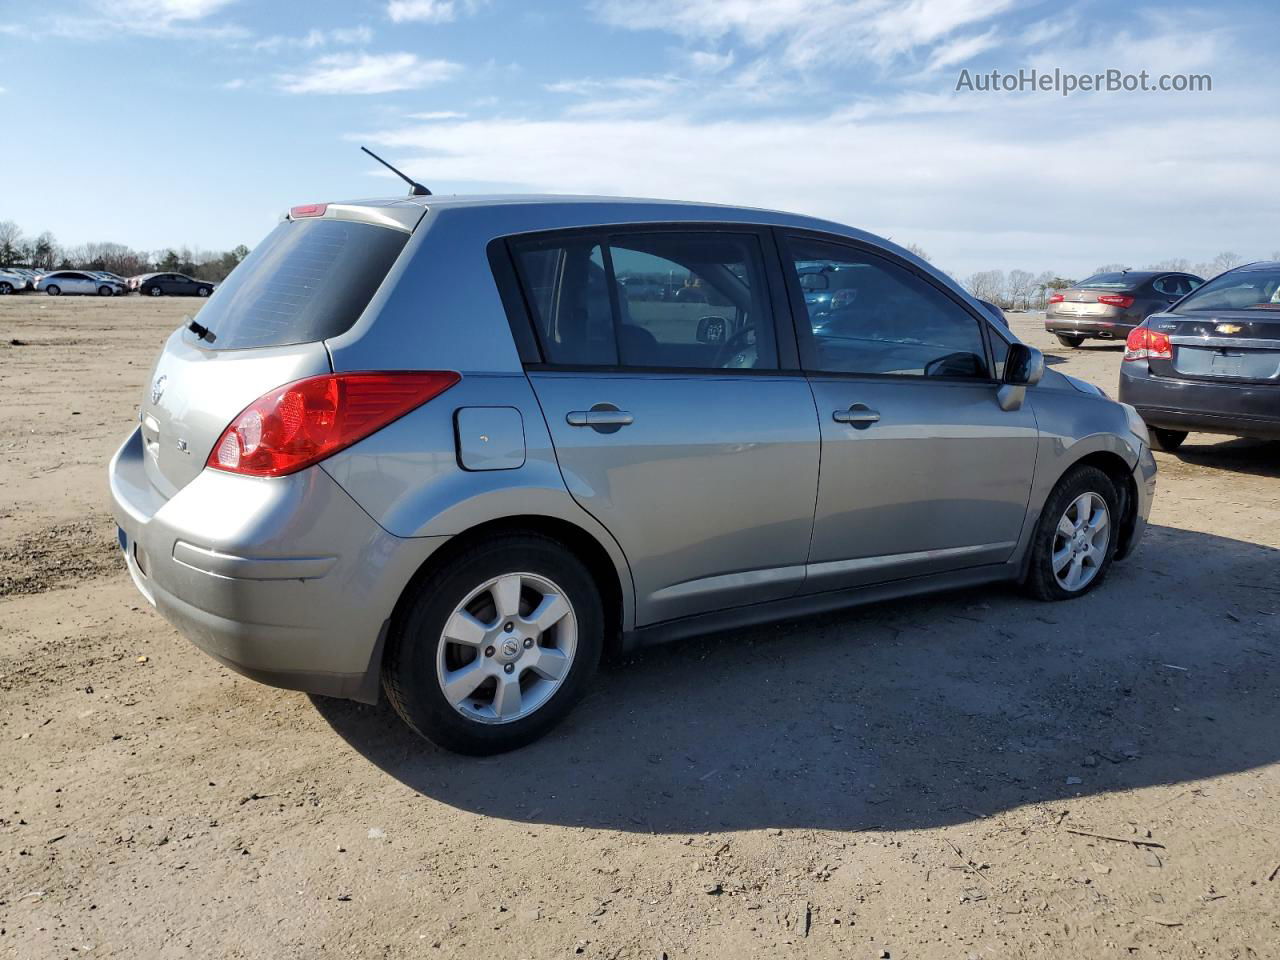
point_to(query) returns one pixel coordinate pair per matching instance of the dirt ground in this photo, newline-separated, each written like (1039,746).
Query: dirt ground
(970,775)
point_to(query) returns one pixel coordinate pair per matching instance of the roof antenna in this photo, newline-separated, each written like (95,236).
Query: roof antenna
(415,188)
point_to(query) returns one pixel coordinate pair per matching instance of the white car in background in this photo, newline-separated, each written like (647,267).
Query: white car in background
(77,281)
(13,281)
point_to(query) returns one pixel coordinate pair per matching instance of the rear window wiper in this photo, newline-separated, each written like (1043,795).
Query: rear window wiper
(202,332)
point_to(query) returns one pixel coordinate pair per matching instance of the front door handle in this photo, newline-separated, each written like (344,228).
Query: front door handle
(859,416)
(599,418)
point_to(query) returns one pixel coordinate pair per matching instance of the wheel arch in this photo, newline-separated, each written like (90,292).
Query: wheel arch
(613,582)
(1121,476)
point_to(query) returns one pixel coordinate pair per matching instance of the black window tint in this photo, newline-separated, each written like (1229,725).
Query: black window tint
(693,300)
(876,317)
(308,280)
(568,294)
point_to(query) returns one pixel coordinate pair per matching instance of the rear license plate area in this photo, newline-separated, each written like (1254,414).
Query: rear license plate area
(1227,363)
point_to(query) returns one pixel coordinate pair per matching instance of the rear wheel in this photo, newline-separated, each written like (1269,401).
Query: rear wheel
(1167,440)
(497,646)
(1075,539)
(53,290)
(5,288)
(204,291)
(1068,341)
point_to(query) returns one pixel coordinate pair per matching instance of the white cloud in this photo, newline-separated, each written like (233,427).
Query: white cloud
(960,50)
(163,11)
(810,33)
(967,176)
(430,11)
(367,73)
(236,84)
(314,39)
(104,19)
(708,61)
(432,116)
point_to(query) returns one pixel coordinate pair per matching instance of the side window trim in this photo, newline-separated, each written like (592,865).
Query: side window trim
(800,314)
(520,313)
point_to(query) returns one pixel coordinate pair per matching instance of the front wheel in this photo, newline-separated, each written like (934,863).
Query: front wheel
(1075,539)
(204,291)
(105,291)
(496,646)
(53,290)
(1166,440)
(1068,341)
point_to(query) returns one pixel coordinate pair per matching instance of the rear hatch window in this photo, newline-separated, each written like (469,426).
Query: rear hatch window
(308,280)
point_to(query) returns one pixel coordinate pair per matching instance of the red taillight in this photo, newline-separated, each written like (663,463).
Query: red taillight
(1146,344)
(303,422)
(308,210)
(1057,298)
(1116,299)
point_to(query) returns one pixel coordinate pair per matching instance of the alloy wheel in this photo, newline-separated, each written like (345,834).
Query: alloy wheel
(1080,541)
(506,648)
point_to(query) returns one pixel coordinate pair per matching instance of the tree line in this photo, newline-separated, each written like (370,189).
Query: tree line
(43,252)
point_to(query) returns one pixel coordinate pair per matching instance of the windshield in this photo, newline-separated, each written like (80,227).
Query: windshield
(1238,290)
(308,280)
(1110,281)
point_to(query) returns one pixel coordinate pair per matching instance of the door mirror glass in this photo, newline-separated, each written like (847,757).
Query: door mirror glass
(1024,366)
(712,330)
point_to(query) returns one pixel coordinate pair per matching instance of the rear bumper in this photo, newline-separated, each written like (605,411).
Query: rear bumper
(1105,328)
(1241,410)
(284,580)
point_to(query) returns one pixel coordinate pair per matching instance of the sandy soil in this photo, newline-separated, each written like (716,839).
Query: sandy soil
(971,775)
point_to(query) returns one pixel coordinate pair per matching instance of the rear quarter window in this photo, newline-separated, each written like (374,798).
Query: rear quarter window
(308,280)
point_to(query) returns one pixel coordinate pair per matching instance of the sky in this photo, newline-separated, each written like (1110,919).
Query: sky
(166,122)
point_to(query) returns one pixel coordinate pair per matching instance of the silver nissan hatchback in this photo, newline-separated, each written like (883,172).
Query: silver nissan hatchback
(457,449)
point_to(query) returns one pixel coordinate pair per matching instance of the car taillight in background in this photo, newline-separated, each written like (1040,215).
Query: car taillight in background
(302,423)
(1116,299)
(308,210)
(1057,298)
(1146,344)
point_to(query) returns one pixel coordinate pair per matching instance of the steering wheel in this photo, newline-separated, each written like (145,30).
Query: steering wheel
(739,351)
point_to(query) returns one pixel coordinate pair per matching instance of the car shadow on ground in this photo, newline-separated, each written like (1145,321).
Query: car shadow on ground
(1261,458)
(901,715)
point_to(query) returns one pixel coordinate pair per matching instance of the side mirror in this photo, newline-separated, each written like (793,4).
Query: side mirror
(711,330)
(1023,367)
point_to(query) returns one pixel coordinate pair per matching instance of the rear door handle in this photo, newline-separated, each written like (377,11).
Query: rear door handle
(599,418)
(858,414)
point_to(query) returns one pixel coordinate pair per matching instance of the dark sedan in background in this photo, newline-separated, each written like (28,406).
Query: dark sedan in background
(1212,362)
(1107,306)
(171,285)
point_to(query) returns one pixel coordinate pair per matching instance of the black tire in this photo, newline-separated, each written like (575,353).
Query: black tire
(204,291)
(53,290)
(6,288)
(1166,440)
(1072,342)
(154,291)
(1040,580)
(409,672)
(105,291)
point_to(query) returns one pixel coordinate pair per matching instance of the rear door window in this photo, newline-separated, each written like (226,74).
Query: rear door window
(308,280)
(649,299)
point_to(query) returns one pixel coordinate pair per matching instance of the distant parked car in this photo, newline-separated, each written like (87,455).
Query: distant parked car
(1212,363)
(1107,306)
(173,285)
(77,281)
(12,281)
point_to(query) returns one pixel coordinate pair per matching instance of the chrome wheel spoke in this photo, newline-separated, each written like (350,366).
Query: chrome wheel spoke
(459,684)
(1065,527)
(549,611)
(1061,558)
(550,664)
(508,700)
(465,629)
(506,595)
